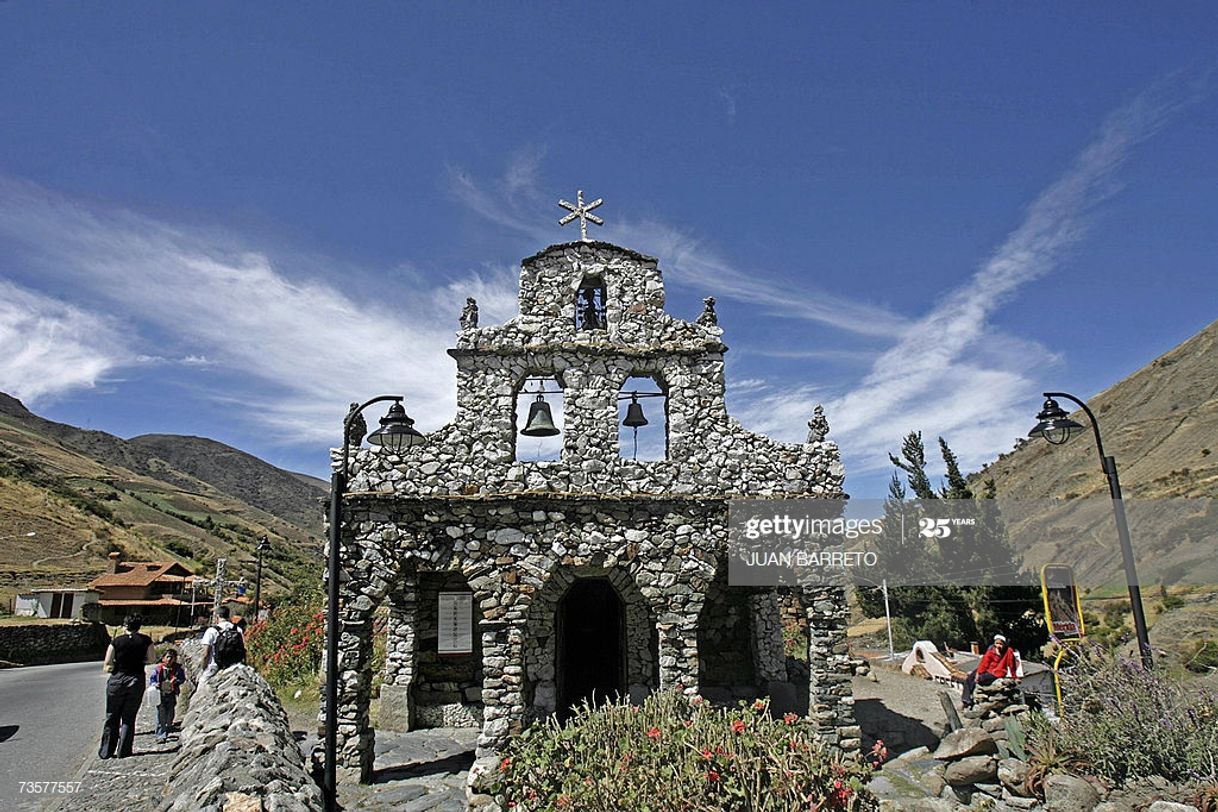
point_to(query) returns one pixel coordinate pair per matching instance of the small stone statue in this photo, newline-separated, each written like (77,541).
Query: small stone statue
(818,426)
(469,314)
(357,428)
(708,316)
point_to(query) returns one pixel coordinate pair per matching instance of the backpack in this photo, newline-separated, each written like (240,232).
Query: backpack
(229,648)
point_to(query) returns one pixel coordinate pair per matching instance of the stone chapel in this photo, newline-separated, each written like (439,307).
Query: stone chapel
(516,588)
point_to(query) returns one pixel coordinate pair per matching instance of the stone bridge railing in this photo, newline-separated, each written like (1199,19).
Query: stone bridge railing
(238,752)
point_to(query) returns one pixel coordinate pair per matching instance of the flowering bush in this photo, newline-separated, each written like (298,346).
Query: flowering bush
(673,753)
(1123,722)
(287,646)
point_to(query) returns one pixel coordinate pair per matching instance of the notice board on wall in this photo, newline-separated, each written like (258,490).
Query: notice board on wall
(456,623)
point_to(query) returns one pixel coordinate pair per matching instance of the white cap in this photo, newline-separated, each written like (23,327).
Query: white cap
(998,637)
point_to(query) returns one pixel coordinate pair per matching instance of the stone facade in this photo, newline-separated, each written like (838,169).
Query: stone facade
(594,566)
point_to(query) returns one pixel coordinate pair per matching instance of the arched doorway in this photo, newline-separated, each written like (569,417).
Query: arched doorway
(590,661)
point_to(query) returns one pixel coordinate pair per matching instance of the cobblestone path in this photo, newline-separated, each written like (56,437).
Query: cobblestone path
(422,771)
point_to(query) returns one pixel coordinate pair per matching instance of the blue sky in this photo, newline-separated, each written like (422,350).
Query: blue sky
(231,220)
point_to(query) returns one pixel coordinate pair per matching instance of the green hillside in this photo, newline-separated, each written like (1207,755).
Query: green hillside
(70,496)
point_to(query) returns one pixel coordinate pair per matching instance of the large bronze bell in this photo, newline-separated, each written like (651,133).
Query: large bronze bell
(541,422)
(634,414)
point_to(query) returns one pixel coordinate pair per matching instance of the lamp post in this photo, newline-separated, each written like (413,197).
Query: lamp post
(396,433)
(264,546)
(1056,427)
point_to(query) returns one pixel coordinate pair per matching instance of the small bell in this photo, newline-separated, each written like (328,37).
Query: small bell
(634,414)
(541,422)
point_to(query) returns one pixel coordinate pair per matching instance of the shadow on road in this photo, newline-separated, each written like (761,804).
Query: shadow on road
(899,732)
(458,762)
(8,731)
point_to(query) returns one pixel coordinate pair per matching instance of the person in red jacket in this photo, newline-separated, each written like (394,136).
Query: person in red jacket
(998,662)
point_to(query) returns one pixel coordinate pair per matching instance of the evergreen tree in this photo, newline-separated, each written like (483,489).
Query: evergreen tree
(980,603)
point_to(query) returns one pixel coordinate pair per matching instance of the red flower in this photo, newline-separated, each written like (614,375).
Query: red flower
(654,733)
(504,765)
(707,754)
(758,704)
(738,726)
(712,775)
(790,718)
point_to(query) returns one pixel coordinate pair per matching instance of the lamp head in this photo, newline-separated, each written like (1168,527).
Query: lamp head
(397,431)
(1055,425)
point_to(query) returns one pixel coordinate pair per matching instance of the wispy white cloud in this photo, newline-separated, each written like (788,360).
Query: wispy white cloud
(951,373)
(948,372)
(303,345)
(687,259)
(49,347)
(727,94)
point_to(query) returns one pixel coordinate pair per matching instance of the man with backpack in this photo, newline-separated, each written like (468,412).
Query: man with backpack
(223,645)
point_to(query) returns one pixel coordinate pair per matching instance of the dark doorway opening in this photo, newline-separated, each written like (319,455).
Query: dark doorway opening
(591,645)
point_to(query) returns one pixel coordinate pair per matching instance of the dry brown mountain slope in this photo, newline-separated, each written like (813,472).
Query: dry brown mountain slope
(83,493)
(1161,425)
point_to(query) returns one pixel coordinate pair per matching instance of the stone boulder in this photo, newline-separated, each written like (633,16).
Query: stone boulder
(968,741)
(1068,793)
(1171,806)
(238,752)
(1013,774)
(971,770)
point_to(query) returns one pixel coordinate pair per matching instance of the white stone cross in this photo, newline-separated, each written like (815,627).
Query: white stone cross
(578,209)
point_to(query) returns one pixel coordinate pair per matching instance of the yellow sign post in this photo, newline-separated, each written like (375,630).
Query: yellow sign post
(1063,613)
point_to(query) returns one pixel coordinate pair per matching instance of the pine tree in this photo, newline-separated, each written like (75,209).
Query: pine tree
(981,602)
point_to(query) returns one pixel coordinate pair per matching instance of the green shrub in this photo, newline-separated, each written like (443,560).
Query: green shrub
(179,548)
(287,647)
(1204,656)
(674,753)
(1123,722)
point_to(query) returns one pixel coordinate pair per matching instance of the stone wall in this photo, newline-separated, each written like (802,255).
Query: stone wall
(709,452)
(238,751)
(520,534)
(46,643)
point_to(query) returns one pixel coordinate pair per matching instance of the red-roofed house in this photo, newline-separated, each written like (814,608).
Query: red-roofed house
(160,591)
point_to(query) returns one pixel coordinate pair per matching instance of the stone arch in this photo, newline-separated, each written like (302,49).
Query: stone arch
(424,688)
(724,628)
(640,638)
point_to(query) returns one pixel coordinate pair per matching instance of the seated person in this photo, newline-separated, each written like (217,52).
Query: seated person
(997,663)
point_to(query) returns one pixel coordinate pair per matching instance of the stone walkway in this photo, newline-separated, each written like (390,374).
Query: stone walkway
(421,771)
(123,784)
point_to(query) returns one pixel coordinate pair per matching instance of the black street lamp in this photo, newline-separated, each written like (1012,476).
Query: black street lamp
(264,546)
(1057,427)
(396,433)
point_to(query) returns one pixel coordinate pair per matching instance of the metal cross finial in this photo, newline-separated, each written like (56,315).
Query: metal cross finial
(578,209)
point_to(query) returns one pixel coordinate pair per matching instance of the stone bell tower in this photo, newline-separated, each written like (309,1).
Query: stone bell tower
(516,587)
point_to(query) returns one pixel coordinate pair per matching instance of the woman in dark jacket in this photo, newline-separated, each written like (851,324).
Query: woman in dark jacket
(125,660)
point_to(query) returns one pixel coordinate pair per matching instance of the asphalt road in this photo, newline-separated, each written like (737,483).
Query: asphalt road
(50,718)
